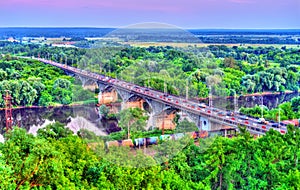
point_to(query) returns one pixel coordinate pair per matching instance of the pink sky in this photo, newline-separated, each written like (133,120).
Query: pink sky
(184,13)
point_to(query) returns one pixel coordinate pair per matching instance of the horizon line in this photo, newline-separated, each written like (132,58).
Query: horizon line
(187,28)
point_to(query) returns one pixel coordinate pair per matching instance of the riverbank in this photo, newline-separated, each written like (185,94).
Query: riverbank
(54,106)
(94,102)
(268,93)
(254,94)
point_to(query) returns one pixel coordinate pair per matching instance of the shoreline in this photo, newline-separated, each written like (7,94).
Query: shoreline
(197,99)
(46,107)
(267,93)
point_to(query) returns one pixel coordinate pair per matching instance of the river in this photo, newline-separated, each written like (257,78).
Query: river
(86,117)
(76,118)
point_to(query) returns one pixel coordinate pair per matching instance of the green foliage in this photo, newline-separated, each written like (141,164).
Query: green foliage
(55,159)
(80,94)
(296,104)
(6,174)
(255,69)
(34,83)
(3,75)
(45,99)
(62,91)
(132,119)
(103,110)
(288,110)
(54,131)
(186,126)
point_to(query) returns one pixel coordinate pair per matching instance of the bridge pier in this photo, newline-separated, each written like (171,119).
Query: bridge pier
(205,124)
(161,115)
(165,121)
(201,122)
(106,97)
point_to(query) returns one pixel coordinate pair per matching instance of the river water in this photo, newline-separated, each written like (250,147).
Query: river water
(86,117)
(76,118)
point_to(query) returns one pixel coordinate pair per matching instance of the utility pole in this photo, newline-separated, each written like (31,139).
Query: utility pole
(187,90)
(149,81)
(235,102)
(128,132)
(278,116)
(262,106)
(163,123)
(210,97)
(8,111)
(165,87)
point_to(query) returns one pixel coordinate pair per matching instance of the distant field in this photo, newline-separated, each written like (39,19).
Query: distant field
(174,44)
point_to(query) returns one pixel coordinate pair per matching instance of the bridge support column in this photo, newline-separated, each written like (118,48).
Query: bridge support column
(124,96)
(165,121)
(156,109)
(202,123)
(205,124)
(134,104)
(107,97)
(161,116)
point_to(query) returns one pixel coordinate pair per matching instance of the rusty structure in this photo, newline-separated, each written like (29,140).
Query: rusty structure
(8,111)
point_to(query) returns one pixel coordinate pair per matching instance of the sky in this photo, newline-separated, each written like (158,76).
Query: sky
(121,13)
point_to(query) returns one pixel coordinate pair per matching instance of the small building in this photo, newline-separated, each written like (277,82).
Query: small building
(11,39)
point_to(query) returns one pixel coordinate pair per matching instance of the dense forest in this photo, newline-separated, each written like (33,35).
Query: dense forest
(33,83)
(57,159)
(226,70)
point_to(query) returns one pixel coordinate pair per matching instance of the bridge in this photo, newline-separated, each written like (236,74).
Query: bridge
(160,103)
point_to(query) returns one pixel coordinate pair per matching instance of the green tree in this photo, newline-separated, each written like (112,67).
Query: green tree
(45,99)
(186,126)
(33,160)
(28,94)
(54,131)
(3,75)
(132,119)
(296,104)
(62,91)
(103,110)
(6,174)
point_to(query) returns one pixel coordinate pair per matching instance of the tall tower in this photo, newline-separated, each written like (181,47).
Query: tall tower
(8,111)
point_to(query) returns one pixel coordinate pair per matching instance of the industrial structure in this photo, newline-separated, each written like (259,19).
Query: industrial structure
(8,111)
